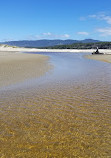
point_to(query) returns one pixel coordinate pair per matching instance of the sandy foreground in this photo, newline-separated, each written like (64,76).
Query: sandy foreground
(15,67)
(59,120)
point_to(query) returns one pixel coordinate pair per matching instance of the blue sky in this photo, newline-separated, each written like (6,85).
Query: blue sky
(58,19)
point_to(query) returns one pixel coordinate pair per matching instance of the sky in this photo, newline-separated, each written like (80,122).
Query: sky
(55,19)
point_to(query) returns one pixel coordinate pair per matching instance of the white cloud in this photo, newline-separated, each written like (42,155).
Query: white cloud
(92,16)
(104,31)
(65,36)
(101,16)
(51,35)
(48,35)
(83,33)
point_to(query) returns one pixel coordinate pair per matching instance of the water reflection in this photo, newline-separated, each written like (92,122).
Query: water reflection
(66,113)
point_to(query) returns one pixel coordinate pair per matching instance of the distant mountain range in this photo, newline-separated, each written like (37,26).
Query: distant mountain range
(46,43)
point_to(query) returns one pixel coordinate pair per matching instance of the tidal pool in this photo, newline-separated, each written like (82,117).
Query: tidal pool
(65,113)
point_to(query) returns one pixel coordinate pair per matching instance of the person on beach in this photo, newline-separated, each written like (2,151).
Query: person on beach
(97,51)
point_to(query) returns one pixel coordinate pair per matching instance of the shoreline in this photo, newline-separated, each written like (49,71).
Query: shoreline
(104,57)
(59,113)
(16,67)
(21,49)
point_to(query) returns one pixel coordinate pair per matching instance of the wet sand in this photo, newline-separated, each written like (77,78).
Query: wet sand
(56,121)
(105,58)
(66,115)
(16,67)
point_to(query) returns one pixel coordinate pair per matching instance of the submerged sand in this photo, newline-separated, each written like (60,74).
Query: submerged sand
(59,119)
(16,67)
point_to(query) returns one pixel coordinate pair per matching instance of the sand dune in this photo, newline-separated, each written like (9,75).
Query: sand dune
(15,49)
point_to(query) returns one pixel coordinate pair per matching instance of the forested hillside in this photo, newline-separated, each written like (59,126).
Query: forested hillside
(100,45)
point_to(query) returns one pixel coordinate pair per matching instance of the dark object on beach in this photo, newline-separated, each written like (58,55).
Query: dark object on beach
(97,51)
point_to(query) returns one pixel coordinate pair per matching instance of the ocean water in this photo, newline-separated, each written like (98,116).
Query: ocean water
(65,113)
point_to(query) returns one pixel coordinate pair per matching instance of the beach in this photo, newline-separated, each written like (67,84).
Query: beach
(55,79)
(65,113)
(22,49)
(16,67)
(105,58)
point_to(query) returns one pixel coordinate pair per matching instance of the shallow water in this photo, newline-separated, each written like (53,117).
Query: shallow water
(65,113)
